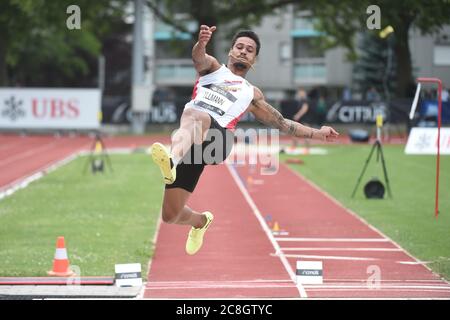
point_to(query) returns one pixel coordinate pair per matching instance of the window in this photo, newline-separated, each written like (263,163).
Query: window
(285,51)
(441,55)
(305,48)
(174,49)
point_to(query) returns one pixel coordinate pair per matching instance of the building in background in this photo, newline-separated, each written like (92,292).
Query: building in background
(288,60)
(287,52)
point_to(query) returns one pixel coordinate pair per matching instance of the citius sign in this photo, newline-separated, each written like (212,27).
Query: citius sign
(356,112)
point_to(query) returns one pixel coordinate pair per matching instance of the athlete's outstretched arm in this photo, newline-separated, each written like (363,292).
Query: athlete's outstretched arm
(270,116)
(203,62)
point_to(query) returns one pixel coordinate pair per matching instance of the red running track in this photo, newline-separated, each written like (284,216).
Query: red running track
(238,259)
(22,156)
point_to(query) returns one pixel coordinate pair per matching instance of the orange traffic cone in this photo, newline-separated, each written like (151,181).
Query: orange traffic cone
(276,227)
(61,262)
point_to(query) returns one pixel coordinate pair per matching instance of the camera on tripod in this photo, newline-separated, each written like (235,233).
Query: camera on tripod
(98,156)
(374,189)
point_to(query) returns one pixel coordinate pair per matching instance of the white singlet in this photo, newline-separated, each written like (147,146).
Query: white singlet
(222,94)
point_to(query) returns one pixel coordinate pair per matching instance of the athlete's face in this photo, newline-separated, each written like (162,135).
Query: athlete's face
(244,48)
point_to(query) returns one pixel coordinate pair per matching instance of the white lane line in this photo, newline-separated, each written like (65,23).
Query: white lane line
(414,262)
(196,282)
(380,290)
(342,249)
(414,286)
(438,281)
(155,238)
(333,239)
(24,182)
(222,286)
(309,287)
(327,283)
(329,257)
(266,229)
(352,258)
(28,153)
(380,287)
(259,283)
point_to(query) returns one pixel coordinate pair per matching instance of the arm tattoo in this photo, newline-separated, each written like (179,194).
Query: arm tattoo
(292,129)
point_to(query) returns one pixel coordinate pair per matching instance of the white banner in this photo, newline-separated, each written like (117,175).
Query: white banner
(424,141)
(44,108)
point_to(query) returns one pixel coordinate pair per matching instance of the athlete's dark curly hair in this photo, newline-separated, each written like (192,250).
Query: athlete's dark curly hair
(249,34)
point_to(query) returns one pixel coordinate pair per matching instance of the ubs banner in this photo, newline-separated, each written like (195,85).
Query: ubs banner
(356,112)
(44,108)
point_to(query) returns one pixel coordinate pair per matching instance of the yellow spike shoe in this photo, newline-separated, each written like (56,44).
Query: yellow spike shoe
(195,238)
(161,157)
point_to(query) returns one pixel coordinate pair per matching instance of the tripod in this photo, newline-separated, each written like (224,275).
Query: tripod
(97,156)
(378,147)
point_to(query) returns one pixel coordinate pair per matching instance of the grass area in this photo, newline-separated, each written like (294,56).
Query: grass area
(105,218)
(407,218)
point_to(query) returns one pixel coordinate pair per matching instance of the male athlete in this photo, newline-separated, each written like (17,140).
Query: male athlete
(221,96)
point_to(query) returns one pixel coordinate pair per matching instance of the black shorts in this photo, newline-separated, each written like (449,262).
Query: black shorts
(214,150)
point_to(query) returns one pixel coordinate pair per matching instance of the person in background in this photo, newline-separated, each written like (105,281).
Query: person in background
(321,110)
(347,94)
(373,95)
(303,108)
(444,95)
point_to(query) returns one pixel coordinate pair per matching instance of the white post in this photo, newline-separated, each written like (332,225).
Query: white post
(101,72)
(414,105)
(142,81)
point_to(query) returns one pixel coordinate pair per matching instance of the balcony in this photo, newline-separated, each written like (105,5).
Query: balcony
(175,72)
(309,71)
(166,32)
(304,27)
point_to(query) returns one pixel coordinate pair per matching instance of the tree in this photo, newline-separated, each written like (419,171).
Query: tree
(376,65)
(37,47)
(342,20)
(234,13)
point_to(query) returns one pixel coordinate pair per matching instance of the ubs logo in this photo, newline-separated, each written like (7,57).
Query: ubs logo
(12,109)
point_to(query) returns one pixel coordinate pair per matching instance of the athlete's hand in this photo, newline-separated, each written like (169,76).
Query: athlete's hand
(205,34)
(325,133)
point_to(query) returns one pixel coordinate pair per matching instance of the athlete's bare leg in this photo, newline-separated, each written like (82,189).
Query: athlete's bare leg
(194,125)
(175,210)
